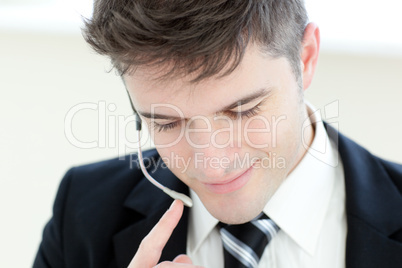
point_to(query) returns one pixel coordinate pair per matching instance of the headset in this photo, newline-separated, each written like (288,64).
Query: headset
(173,194)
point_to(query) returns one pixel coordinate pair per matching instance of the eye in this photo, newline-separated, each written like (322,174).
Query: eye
(165,127)
(245,114)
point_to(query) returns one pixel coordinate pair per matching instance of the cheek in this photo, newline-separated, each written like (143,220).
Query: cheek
(276,135)
(176,157)
(260,132)
(287,140)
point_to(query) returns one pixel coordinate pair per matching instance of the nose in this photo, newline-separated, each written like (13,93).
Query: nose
(214,147)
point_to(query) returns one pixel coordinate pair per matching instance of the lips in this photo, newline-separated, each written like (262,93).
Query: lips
(232,184)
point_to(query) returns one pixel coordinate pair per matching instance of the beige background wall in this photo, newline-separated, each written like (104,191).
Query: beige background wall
(42,76)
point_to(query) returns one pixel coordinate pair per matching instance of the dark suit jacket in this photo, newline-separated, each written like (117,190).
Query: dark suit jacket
(102,212)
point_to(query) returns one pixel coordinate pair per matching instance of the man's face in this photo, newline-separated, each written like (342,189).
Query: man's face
(233,140)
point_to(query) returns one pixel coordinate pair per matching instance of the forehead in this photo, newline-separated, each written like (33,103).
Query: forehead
(256,71)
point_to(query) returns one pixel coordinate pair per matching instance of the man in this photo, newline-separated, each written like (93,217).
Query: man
(220,86)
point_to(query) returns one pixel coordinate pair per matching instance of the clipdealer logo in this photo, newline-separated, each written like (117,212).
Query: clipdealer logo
(113,129)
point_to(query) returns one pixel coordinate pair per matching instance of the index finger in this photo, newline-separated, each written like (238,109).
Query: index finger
(150,249)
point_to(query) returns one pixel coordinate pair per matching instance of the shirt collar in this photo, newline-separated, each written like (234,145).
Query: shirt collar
(300,203)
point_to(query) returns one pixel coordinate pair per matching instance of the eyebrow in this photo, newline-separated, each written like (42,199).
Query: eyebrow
(256,95)
(247,99)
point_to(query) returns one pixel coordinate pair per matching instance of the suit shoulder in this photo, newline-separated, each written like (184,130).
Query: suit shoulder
(394,171)
(115,167)
(361,160)
(107,177)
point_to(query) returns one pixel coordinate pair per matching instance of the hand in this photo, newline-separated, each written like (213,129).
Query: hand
(150,249)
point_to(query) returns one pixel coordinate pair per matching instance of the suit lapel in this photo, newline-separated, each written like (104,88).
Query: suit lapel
(149,203)
(373,207)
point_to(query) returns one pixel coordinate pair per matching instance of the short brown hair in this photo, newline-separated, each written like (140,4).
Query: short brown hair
(195,36)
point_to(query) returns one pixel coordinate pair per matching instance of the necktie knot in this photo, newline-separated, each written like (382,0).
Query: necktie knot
(244,244)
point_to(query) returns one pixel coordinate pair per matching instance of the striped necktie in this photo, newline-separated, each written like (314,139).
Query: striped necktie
(244,243)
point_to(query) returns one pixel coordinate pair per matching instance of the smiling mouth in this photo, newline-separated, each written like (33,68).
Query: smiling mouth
(232,184)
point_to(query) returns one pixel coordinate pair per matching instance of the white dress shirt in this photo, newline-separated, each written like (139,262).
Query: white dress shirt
(309,208)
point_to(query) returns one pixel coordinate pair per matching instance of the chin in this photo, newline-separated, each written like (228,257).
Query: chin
(238,217)
(236,212)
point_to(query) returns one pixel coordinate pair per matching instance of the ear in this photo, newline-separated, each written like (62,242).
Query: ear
(310,50)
